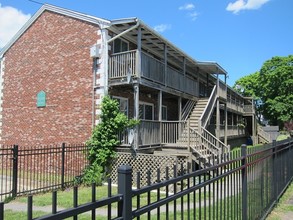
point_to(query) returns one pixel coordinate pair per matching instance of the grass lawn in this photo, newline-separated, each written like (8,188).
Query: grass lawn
(283,137)
(284,208)
(65,200)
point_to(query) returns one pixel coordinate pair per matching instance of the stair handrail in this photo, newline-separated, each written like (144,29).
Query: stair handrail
(211,149)
(207,112)
(220,145)
(263,134)
(187,109)
(210,143)
(194,134)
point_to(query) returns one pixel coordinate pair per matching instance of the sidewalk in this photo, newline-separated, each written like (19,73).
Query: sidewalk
(22,207)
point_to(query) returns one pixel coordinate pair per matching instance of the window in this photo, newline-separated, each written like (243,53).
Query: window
(164,113)
(146,111)
(123,104)
(41,99)
(120,46)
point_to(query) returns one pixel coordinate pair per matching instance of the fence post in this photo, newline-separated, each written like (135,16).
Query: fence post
(244,181)
(188,134)
(63,166)
(1,210)
(124,188)
(274,182)
(15,170)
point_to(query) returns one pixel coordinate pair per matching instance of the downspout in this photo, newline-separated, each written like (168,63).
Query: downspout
(103,57)
(94,91)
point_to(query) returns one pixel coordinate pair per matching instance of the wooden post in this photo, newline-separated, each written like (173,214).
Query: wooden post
(160,104)
(165,63)
(136,112)
(218,111)
(138,54)
(184,66)
(197,75)
(180,108)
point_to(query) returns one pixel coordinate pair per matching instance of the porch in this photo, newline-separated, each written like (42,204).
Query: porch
(160,134)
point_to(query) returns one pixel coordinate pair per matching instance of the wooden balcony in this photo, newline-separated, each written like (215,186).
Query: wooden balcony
(145,67)
(232,130)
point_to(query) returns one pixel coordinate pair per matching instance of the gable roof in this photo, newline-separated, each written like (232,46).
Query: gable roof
(52,8)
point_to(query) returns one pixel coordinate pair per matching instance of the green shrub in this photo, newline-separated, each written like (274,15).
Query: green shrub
(104,139)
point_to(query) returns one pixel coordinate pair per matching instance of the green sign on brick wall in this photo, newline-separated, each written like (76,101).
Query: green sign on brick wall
(41,99)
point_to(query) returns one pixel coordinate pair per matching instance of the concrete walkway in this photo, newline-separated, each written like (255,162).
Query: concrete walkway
(22,207)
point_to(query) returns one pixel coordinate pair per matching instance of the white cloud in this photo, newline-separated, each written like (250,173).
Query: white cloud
(162,27)
(239,5)
(191,12)
(11,20)
(193,15)
(188,6)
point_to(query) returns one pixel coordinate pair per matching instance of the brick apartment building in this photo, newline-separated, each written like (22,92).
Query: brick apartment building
(56,69)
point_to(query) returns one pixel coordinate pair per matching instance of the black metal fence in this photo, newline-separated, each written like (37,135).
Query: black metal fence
(244,184)
(33,169)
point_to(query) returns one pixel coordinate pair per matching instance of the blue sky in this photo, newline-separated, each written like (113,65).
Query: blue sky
(238,34)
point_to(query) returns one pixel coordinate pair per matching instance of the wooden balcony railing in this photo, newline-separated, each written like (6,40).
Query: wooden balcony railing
(249,109)
(235,105)
(123,64)
(155,132)
(232,130)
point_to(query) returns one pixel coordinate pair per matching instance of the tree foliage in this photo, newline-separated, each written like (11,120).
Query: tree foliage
(273,85)
(248,85)
(104,139)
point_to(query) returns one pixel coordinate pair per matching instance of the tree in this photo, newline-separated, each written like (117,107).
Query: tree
(104,139)
(273,85)
(248,85)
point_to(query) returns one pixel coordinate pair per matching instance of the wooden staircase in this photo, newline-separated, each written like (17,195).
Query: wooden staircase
(197,112)
(263,137)
(195,141)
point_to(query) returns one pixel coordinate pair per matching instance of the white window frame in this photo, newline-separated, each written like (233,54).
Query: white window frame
(123,99)
(149,104)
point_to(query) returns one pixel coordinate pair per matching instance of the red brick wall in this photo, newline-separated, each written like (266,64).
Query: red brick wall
(52,55)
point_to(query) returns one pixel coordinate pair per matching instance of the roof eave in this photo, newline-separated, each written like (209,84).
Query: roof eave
(220,70)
